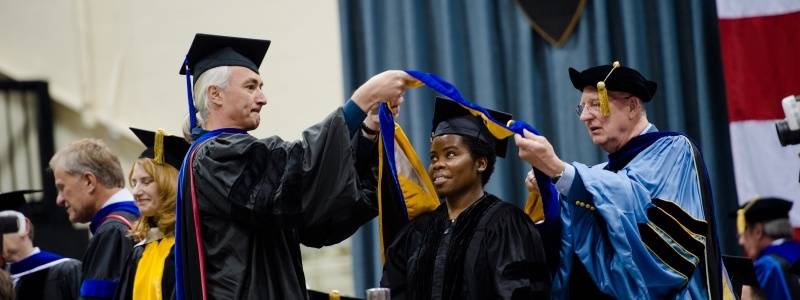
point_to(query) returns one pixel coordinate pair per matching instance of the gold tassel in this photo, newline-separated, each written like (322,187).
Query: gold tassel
(603,93)
(158,146)
(741,223)
(334,295)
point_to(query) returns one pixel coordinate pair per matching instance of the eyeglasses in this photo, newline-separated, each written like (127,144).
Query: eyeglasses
(594,107)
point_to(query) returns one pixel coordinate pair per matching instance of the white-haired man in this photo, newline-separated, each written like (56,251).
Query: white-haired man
(246,204)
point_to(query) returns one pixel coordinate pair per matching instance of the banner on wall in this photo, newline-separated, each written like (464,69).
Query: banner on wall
(553,20)
(761,62)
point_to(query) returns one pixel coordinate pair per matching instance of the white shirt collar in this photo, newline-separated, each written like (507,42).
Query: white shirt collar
(777,242)
(121,196)
(646,128)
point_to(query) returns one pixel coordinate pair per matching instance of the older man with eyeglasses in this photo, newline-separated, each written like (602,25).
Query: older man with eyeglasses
(640,226)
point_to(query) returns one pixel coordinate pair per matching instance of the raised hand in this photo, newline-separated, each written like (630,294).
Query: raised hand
(539,153)
(388,86)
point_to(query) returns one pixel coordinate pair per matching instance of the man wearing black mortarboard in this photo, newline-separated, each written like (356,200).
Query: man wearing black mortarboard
(640,226)
(474,245)
(245,204)
(36,274)
(765,232)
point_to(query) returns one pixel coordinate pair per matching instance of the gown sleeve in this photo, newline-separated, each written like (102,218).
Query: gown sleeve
(168,276)
(515,256)
(104,260)
(68,280)
(289,184)
(125,286)
(398,255)
(344,224)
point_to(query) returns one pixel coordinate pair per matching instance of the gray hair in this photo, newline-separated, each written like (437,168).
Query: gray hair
(626,95)
(90,155)
(213,77)
(778,229)
(641,106)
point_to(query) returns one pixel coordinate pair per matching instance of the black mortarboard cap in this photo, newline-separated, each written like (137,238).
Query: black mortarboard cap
(171,149)
(766,209)
(211,51)
(623,79)
(741,270)
(15,200)
(449,117)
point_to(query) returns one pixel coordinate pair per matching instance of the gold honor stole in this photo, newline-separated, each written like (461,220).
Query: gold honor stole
(147,282)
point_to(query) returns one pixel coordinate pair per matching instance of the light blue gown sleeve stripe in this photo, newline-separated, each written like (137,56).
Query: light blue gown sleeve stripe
(688,255)
(665,252)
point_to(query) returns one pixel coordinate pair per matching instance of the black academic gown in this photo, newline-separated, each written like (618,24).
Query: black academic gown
(258,199)
(126,282)
(491,251)
(45,275)
(104,259)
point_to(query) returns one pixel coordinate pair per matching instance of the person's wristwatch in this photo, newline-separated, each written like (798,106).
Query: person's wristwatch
(368,130)
(556,177)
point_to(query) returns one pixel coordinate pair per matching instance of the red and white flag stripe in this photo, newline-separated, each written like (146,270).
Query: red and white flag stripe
(761,60)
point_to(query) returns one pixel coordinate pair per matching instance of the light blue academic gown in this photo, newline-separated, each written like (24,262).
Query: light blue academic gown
(632,246)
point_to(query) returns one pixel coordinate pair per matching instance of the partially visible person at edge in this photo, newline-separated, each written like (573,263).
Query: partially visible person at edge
(765,232)
(622,222)
(150,269)
(36,274)
(91,187)
(256,200)
(6,286)
(475,245)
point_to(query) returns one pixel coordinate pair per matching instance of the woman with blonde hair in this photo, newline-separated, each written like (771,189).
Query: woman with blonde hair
(150,270)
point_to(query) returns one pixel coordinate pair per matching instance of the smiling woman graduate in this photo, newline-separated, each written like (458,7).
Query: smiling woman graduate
(474,246)
(150,270)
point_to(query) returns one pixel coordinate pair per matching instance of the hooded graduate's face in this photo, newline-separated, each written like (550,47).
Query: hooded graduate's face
(145,191)
(609,132)
(242,100)
(453,168)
